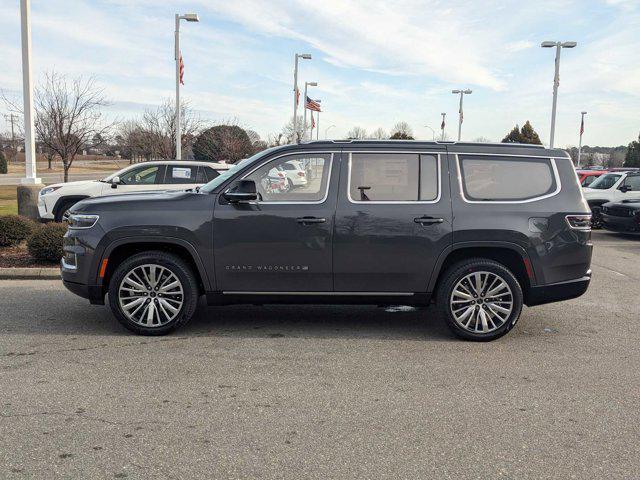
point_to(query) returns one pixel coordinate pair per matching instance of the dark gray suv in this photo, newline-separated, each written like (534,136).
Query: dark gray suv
(477,229)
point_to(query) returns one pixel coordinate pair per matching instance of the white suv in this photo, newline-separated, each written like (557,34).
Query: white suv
(611,187)
(55,200)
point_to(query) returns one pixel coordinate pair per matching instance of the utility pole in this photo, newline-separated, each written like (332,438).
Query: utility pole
(304,56)
(189,17)
(556,82)
(460,112)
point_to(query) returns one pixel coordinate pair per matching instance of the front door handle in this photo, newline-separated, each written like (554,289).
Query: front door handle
(310,220)
(428,220)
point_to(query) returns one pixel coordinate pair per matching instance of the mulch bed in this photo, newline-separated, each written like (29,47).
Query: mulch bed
(19,257)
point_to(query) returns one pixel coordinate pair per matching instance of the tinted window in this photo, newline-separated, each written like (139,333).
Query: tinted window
(505,178)
(589,180)
(633,182)
(393,177)
(145,175)
(606,181)
(273,184)
(178,174)
(210,173)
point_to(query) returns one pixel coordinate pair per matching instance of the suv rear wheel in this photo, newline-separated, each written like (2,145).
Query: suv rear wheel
(153,293)
(480,299)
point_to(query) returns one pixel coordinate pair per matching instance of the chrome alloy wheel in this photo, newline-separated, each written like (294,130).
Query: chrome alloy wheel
(151,295)
(481,302)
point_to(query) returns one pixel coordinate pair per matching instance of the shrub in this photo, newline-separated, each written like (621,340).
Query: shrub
(14,229)
(45,243)
(3,163)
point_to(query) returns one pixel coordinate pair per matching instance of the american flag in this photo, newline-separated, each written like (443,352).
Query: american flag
(313,105)
(181,70)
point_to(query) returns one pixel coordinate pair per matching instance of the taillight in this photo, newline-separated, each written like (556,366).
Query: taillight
(301,174)
(579,222)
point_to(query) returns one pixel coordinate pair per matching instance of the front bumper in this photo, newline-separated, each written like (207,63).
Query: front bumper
(620,224)
(556,292)
(93,293)
(45,214)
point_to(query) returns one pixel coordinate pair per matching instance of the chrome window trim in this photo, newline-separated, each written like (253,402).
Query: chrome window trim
(554,168)
(437,154)
(302,152)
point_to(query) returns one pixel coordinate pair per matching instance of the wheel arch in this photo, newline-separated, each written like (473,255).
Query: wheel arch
(511,255)
(117,251)
(66,199)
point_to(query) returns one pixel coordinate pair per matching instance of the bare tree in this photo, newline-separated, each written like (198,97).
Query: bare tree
(402,130)
(357,133)
(482,140)
(379,134)
(287,130)
(159,127)
(68,116)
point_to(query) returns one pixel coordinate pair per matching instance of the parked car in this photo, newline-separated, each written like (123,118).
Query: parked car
(611,187)
(295,173)
(478,229)
(55,200)
(586,177)
(622,216)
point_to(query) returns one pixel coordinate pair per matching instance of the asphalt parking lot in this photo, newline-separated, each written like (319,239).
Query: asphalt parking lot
(324,392)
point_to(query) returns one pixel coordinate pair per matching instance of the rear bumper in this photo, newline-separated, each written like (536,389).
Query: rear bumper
(557,292)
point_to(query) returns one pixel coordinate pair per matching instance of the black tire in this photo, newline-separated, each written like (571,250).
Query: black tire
(62,209)
(290,184)
(175,265)
(457,273)
(596,218)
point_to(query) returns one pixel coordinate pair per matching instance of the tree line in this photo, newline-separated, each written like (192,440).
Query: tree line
(69,121)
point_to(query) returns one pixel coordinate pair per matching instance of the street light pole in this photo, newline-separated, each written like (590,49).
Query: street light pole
(304,56)
(556,81)
(460,113)
(433,132)
(581,132)
(189,17)
(326,131)
(304,102)
(27,94)
(318,128)
(442,124)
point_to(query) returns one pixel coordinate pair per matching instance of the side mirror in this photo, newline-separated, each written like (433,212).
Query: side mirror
(115,181)
(242,191)
(624,188)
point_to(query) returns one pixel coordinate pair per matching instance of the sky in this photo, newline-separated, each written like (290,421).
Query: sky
(376,62)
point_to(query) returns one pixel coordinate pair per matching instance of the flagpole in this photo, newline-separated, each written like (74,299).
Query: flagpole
(581,132)
(460,114)
(442,125)
(304,106)
(318,127)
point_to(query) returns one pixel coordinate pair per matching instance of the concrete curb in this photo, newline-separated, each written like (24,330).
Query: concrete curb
(27,273)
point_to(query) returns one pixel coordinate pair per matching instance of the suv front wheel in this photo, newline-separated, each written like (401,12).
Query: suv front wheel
(153,293)
(480,299)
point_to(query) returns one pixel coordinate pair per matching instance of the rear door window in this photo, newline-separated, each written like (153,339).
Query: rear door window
(179,174)
(632,182)
(487,178)
(393,177)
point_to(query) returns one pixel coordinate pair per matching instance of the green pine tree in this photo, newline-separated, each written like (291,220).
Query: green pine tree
(632,158)
(529,135)
(513,136)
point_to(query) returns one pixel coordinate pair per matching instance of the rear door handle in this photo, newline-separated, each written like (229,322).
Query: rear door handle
(310,220)
(428,220)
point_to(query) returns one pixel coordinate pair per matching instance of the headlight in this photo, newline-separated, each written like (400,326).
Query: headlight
(47,190)
(78,221)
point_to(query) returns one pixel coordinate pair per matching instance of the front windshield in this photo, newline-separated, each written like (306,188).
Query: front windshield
(226,175)
(606,181)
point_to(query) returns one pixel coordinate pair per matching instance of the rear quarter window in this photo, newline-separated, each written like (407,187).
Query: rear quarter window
(503,179)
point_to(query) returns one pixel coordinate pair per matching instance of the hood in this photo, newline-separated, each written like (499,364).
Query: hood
(126,201)
(77,183)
